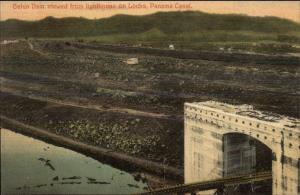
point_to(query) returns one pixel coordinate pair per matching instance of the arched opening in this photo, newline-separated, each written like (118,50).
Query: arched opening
(244,154)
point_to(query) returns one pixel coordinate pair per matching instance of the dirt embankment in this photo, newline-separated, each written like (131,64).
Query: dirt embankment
(119,160)
(190,54)
(155,139)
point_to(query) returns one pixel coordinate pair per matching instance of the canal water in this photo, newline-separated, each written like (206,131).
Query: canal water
(34,167)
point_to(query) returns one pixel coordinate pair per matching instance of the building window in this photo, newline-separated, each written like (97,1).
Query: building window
(273,130)
(257,125)
(250,124)
(198,159)
(284,182)
(243,122)
(236,120)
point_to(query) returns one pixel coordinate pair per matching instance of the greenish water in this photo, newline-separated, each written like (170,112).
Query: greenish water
(32,166)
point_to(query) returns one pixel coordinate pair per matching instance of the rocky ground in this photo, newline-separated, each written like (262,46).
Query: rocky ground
(135,135)
(95,97)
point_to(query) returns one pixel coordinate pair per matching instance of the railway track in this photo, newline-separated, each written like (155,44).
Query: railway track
(213,184)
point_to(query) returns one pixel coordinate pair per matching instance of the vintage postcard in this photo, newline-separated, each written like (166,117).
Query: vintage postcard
(150,97)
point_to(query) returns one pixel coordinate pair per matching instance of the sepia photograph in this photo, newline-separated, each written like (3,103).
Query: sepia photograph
(150,97)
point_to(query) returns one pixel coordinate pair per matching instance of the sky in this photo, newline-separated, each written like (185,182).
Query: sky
(27,10)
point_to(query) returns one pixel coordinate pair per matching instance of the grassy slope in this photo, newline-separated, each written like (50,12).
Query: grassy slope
(188,26)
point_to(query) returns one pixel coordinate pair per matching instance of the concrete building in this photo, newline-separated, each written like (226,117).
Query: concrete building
(223,140)
(132,61)
(5,42)
(171,47)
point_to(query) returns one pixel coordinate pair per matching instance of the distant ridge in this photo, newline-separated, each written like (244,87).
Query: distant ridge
(166,23)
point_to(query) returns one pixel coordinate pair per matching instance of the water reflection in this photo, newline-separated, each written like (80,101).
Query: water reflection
(35,167)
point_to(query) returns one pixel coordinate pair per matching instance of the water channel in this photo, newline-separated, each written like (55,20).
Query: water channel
(31,166)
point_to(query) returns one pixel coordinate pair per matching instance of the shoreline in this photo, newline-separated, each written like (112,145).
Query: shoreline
(118,160)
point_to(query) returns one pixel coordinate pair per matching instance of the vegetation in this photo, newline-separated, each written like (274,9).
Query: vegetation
(186,27)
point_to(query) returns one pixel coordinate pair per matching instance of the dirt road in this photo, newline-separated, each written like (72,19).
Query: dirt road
(101,108)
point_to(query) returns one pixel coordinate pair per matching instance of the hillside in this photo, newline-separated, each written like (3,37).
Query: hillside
(160,24)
